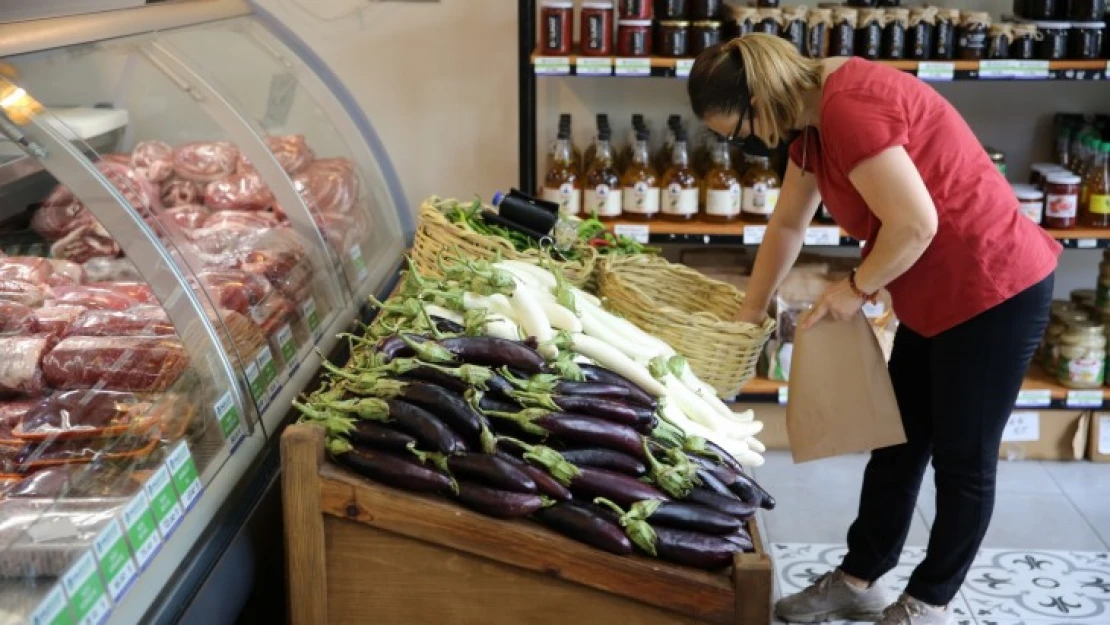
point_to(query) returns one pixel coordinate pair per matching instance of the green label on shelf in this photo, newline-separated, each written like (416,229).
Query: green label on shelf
(163,501)
(138,522)
(682,68)
(53,609)
(87,599)
(267,370)
(1029,69)
(287,345)
(311,315)
(633,66)
(228,416)
(184,471)
(936,71)
(358,262)
(1084,398)
(1034,398)
(594,66)
(784,395)
(255,381)
(552,65)
(115,559)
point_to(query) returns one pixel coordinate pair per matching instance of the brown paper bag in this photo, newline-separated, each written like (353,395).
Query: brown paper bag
(841,400)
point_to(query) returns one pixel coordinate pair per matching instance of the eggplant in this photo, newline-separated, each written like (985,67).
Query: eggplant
(393,347)
(608,409)
(437,377)
(498,405)
(500,386)
(742,539)
(446,325)
(710,482)
(693,517)
(426,427)
(580,429)
(692,548)
(595,389)
(726,457)
(594,373)
(494,352)
(492,471)
(545,484)
(585,523)
(738,483)
(446,405)
(733,506)
(395,470)
(502,504)
(379,436)
(602,458)
(617,487)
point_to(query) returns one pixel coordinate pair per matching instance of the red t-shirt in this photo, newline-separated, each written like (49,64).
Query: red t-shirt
(984,252)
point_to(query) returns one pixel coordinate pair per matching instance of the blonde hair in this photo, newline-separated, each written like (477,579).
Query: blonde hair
(763,68)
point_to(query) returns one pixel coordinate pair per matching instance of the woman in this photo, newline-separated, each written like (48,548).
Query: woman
(971,280)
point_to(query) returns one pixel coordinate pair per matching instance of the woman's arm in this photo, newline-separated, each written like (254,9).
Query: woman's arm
(782,242)
(895,193)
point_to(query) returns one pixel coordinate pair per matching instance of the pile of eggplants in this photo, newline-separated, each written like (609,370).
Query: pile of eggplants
(459,417)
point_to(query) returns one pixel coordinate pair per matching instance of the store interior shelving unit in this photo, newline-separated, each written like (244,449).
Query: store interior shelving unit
(1039,390)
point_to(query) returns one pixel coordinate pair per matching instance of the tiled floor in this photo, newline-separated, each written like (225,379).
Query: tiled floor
(1045,560)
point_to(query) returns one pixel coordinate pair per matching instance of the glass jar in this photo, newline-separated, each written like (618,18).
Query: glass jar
(869,33)
(842,37)
(595,29)
(998,40)
(1038,172)
(1053,45)
(794,26)
(1044,9)
(971,35)
(636,9)
(998,158)
(672,39)
(1084,299)
(1086,10)
(1061,200)
(1082,355)
(919,39)
(896,22)
(705,9)
(1030,202)
(944,47)
(1022,41)
(1085,40)
(556,19)
(770,21)
(760,191)
(818,24)
(634,38)
(672,9)
(703,34)
(746,19)
(1061,318)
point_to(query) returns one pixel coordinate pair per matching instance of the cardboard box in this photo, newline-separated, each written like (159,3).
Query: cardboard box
(1098,448)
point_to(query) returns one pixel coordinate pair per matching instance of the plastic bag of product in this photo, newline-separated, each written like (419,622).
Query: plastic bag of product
(234,289)
(226,238)
(242,192)
(93,297)
(296,284)
(65,272)
(250,220)
(328,185)
(75,481)
(55,320)
(110,270)
(21,292)
(138,321)
(342,230)
(59,215)
(138,291)
(21,371)
(143,195)
(205,161)
(138,364)
(11,414)
(273,253)
(85,414)
(243,336)
(38,456)
(291,152)
(272,313)
(153,159)
(186,216)
(89,241)
(16,318)
(31,269)
(180,192)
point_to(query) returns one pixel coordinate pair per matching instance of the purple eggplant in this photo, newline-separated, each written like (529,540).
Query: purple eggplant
(379,436)
(444,404)
(400,471)
(499,386)
(502,504)
(737,482)
(491,471)
(596,389)
(732,506)
(494,352)
(437,377)
(582,430)
(602,458)
(693,549)
(585,523)
(693,517)
(426,427)
(545,484)
(495,404)
(615,411)
(617,487)
(446,325)
(741,538)
(710,482)
(594,373)
(393,347)
(726,458)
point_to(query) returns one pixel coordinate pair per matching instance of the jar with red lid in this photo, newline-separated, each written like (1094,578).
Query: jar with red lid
(1061,199)
(557,22)
(634,38)
(596,29)
(636,10)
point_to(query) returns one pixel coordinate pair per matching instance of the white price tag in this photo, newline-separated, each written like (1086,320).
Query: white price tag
(86,592)
(682,68)
(995,69)
(1034,398)
(753,235)
(1084,399)
(822,235)
(1103,435)
(53,609)
(637,232)
(358,262)
(552,65)
(1023,427)
(594,66)
(936,71)
(1030,69)
(784,395)
(633,67)
(1086,244)
(141,529)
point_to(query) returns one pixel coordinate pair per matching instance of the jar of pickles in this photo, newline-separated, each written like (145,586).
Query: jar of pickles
(1081,353)
(1064,313)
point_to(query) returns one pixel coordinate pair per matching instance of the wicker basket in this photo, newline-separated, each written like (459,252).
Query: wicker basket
(434,233)
(690,312)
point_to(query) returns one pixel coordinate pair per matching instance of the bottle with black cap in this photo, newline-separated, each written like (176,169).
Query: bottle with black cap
(662,159)
(591,151)
(562,184)
(722,186)
(640,183)
(624,155)
(602,188)
(680,186)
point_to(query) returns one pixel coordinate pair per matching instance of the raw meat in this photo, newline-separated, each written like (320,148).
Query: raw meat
(139,321)
(85,242)
(205,161)
(37,456)
(110,270)
(124,363)
(234,289)
(273,253)
(15,318)
(21,370)
(93,297)
(21,292)
(181,192)
(11,413)
(342,230)
(296,284)
(291,152)
(245,192)
(138,291)
(83,414)
(186,216)
(274,312)
(77,481)
(26,268)
(65,272)
(143,195)
(55,320)
(154,160)
(116,158)
(243,335)
(255,220)
(58,217)
(328,185)
(225,239)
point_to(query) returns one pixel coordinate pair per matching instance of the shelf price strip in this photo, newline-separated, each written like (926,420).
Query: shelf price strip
(186,479)
(267,373)
(633,67)
(637,232)
(311,317)
(1084,399)
(753,235)
(163,502)
(116,563)
(230,422)
(933,71)
(87,599)
(682,68)
(1034,398)
(358,262)
(594,66)
(142,532)
(552,65)
(53,609)
(288,348)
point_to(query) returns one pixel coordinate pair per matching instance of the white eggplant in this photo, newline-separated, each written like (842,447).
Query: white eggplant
(500,326)
(613,359)
(529,315)
(560,317)
(593,325)
(531,274)
(495,303)
(755,445)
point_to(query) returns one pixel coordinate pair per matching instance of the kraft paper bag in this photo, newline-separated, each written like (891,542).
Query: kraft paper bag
(841,399)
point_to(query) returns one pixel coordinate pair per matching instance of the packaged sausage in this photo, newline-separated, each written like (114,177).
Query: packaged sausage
(26,268)
(15,318)
(234,289)
(21,292)
(85,242)
(124,363)
(138,321)
(94,297)
(273,253)
(77,482)
(55,320)
(85,414)
(205,161)
(36,456)
(21,371)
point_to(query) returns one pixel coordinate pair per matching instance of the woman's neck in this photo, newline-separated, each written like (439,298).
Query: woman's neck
(811,111)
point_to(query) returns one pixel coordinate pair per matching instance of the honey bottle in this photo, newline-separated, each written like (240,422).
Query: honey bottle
(591,151)
(640,184)
(662,160)
(562,183)
(722,186)
(761,189)
(602,195)
(624,156)
(680,186)
(1096,188)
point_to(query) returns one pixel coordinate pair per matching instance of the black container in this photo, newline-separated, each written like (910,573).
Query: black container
(894,35)
(1042,9)
(704,34)
(1086,10)
(890,3)
(1085,40)
(919,37)
(842,37)
(1053,45)
(768,24)
(944,39)
(998,42)
(971,40)
(672,9)
(869,37)
(862,3)
(1023,46)
(705,9)
(672,38)
(794,31)
(817,34)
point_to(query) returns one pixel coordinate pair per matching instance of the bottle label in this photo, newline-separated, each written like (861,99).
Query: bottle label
(1032,209)
(604,201)
(1061,205)
(759,199)
(1099,204)
(680,201)
(641,199)
(723,202)
(566,196)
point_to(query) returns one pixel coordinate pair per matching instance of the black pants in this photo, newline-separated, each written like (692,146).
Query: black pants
(955,392)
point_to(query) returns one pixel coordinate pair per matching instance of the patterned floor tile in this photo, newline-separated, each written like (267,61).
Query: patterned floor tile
(1039,586)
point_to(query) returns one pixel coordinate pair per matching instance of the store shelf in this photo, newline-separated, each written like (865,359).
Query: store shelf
(940,71)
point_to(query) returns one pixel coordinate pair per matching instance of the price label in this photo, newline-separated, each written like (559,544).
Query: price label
(753,235)
(311,317)
(995,69)
(163,502)
(230,424)
(682,68)
(633,67)
(822,235)
(1023,427)
(186,479)
(936,72)
(87,598)
(637,232)
(287,345)
(552,65)
(784,395)
(1029,69)
(116,563)
(1086,244)
(255,381)
(141,530)
(267,370)
(1038,398)
(53,609)
(1104,435)
(358,262)
(1084,399)
(594,66)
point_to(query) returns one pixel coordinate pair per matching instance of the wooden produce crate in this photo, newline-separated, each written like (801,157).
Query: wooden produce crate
(360,552)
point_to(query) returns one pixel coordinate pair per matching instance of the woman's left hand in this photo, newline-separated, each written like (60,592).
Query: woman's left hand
(838,301)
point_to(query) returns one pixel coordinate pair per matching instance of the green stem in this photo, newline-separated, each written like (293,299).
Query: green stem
(523,419)
(563,471)
(677,480)
(634,525)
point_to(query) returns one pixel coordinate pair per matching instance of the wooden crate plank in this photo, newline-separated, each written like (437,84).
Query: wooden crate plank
(302,453)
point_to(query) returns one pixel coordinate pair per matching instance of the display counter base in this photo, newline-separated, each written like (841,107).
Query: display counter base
(357,551)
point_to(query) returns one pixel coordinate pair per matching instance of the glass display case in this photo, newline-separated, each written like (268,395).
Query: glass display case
(181,237)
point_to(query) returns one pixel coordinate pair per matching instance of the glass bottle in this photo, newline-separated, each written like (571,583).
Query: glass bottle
(562,184)
(760,189)
(602,184)
(722,186)
(640,183)
(624,155)
(591,151)
(662,159)
(1096,189)
(703,153)
(680,186)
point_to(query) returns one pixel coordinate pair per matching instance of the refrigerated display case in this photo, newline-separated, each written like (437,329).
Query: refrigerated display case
(182,236)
